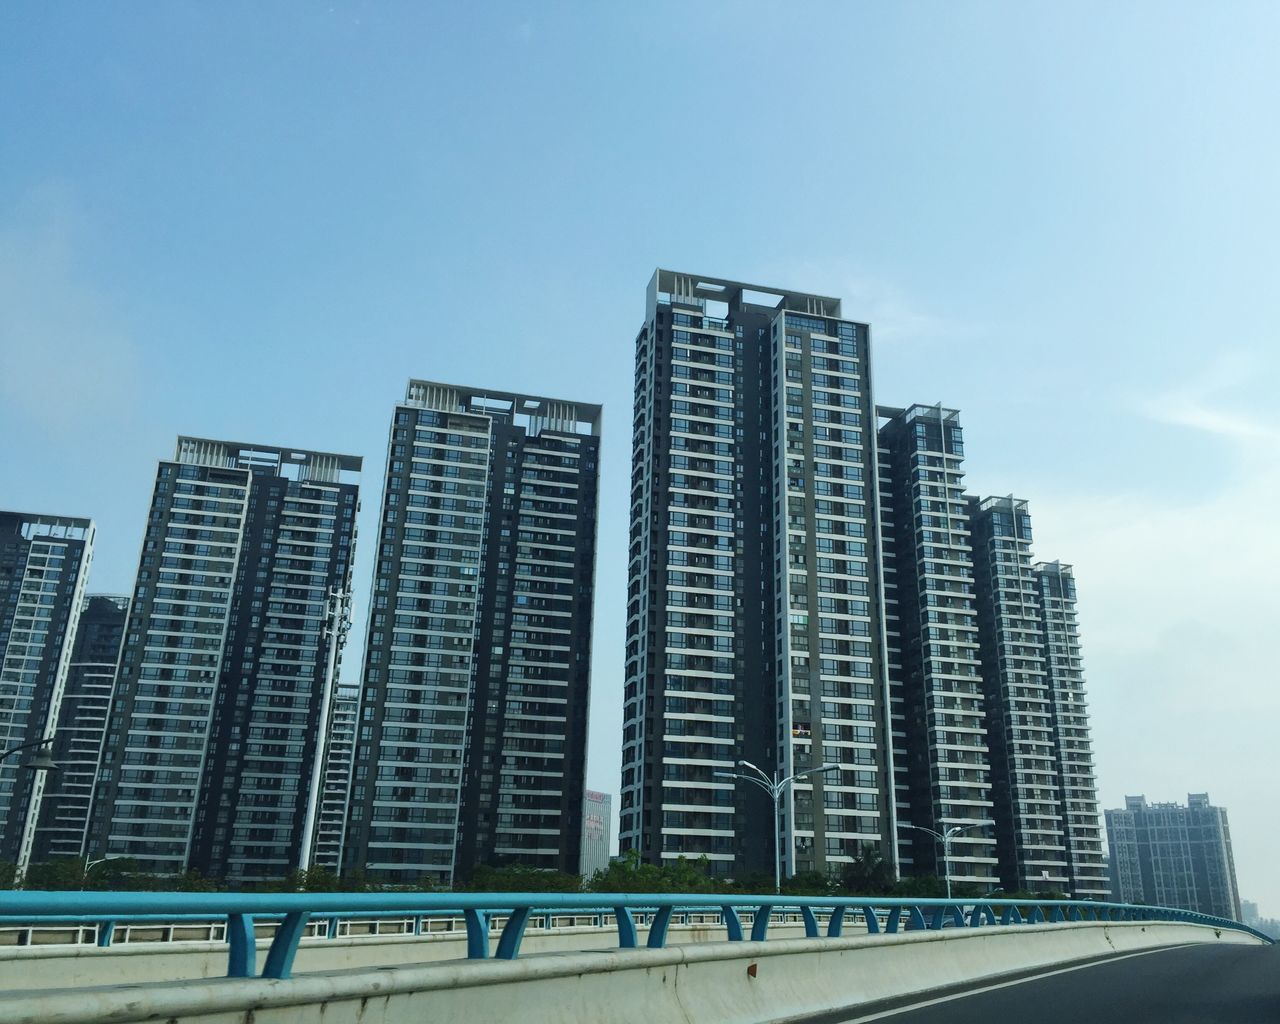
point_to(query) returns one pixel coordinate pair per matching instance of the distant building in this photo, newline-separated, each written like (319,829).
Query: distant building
(44,565)
(213,734)
(1174,856)
(597,811)
(82,725)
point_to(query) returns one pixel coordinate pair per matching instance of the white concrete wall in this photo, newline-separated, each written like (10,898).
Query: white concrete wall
(68,966)
(728,983)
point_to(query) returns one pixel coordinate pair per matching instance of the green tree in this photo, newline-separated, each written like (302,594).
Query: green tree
(8,874)
(520,878)
(868,874)
(61,873)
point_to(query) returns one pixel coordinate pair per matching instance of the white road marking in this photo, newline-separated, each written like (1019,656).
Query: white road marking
(1008,984)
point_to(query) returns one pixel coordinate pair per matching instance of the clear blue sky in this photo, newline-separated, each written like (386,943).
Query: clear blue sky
(256,221)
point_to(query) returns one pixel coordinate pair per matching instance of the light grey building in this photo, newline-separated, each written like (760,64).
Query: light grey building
(82,726)
(214,731)
(597,829)
(754,627)
(1171,855)
(44,567)
(477,666)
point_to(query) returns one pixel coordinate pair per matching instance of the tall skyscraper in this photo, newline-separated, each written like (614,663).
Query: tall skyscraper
(82,725)
(1030,832)
(754,627)
(941,751)
(1168,855)
(1077,786)
(477,667)
(213,737)
(44,566)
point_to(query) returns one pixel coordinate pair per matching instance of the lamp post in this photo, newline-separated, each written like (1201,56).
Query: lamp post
(945,838)
(775,787)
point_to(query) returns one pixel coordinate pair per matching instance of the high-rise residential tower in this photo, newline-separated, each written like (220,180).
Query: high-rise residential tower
(1026,774)
(225,668)
(754,630)
(941,752)
(82,725)
(477,667)
(1077,786)
(44,566)
(1169,855)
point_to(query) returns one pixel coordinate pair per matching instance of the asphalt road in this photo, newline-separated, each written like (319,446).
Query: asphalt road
(1200,984)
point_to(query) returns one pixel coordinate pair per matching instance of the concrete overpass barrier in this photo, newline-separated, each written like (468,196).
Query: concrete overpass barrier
(734,982)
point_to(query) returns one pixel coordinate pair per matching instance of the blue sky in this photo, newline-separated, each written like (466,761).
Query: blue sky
(257,221)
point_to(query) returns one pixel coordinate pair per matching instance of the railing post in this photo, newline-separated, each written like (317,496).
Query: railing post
(835,923)
(106,929)
(626,928)
(242,955)
(891,925)
(760,923)
(284,947)
(915,921)
(810,922)
(658,928)
(512,933)
(477,934)
(871,918)
(732,923)
(1011,915)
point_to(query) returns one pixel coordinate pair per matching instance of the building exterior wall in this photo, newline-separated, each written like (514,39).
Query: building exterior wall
(82,726)
(339,757)
(940,721)
(1174,856)
(214,734)
(477,669)
(1030,832)
(44,567)
(1077,786)
(753,621)
(597,826)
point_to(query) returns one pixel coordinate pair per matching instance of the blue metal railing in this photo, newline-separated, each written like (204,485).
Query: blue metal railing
(292,912)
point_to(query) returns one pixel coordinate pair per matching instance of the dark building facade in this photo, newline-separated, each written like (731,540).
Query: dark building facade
(1026,774)
(941,750)
(1077,783)
(213,736)
(1168,855)
(754,626)
(477,667)
(82,725)
(44,567)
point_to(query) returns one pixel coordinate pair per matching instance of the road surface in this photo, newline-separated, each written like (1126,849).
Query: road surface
(1197,984)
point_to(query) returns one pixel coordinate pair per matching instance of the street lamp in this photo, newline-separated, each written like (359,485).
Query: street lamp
(39,761)
(946,838)
(89,866)
(775,787)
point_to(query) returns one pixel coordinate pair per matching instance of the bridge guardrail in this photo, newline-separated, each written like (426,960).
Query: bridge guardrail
(294,911)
